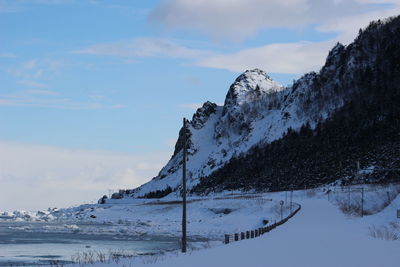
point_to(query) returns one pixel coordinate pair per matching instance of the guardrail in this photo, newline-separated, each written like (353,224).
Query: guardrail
(259,231)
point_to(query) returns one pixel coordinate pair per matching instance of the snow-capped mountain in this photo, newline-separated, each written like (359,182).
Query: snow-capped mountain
(258,110)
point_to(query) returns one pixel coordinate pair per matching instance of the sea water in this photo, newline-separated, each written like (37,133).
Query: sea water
(34,243)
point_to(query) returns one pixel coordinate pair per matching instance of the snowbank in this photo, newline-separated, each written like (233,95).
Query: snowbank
(319,235)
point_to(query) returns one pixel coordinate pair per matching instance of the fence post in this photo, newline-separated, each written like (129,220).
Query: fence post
(260,231)
(226,239)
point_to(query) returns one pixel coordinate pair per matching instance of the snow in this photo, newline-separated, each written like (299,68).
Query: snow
(319,235)
(246,85)
(206,217)
(367,170)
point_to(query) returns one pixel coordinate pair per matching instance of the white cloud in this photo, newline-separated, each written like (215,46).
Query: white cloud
(117,106)
(30,83)
(278,58)
(348,27)
(52,99)
(97,97)
(41,92)
(7,55)
(29,73)
(7,6)
(30,64)
(35,69)
(145,47)
(239,19)
(300,57)
(37,176)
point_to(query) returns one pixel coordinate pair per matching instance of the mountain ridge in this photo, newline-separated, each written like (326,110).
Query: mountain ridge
(258,111)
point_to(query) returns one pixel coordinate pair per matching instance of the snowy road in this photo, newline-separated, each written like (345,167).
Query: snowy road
(319,235)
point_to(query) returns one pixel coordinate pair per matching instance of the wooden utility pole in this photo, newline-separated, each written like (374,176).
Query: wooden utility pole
(184,189)
(291,198)
(362,201)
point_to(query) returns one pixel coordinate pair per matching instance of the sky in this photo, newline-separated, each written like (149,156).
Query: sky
(93,92)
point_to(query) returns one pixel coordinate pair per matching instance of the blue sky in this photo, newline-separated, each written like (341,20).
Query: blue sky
(116,77)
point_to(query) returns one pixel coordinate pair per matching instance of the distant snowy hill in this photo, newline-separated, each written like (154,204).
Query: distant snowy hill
(258,111)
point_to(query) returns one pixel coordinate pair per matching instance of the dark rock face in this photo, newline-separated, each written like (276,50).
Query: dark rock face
(179,142)
(103,200)
(117,196)
(202,114)
(199,119)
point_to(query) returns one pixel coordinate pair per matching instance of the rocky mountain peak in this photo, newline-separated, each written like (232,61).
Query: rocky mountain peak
(334,56)
(250,85)
(202,114)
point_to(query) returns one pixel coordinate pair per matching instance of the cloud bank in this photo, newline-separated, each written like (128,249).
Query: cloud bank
(145,47)
(239,19)
(36,177)
(289,58)
(300,57)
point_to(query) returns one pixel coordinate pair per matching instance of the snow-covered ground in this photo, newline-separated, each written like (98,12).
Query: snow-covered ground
(319,235)
(209,217)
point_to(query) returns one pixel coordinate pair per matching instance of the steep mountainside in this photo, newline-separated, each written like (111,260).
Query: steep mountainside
(270,137)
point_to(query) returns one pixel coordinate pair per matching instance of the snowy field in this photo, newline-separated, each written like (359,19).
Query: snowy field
(328,230)
(319,235)
(208,217)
